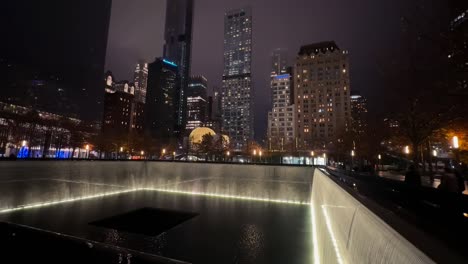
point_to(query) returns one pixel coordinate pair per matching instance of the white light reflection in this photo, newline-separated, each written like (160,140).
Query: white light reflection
(332,235)
(227,196)
(36,205)
(217,195)
(314,234)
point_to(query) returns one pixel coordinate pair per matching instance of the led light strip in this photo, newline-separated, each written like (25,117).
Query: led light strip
(36,205)
(332,235)
(314,235)
(227,196)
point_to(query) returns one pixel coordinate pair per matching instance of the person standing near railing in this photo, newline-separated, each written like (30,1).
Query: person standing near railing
(412,177)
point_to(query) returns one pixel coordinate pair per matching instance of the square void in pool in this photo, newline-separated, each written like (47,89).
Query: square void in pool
(145,221)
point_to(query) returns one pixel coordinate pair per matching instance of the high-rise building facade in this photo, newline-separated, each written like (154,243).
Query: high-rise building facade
(281,119)
(358,113)
(59,45)
(458,48)
(237,92)
(196,102)
(140,79)
(161,99)
(116,123)
(279,62)
(322,94)
(178,47)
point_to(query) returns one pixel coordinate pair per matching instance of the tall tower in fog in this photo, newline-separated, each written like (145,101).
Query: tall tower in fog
(279,62)
(177,48)
(237,92)
(140,78)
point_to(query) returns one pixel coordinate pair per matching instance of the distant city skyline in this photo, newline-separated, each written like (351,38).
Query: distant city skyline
(316,21)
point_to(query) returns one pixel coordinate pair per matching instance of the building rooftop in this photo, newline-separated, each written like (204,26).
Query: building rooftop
(318,47)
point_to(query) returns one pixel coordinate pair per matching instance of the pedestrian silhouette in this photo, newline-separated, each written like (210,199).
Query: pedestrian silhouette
(412,177)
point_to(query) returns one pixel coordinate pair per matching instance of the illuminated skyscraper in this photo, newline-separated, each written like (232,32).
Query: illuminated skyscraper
(196,102)
(281,118)
(237,92)
(322,98)
(358,113)
(141,81)
(178,47)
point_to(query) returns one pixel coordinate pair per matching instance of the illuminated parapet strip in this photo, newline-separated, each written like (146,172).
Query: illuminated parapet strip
(238,197)
(36,205)
(228,196)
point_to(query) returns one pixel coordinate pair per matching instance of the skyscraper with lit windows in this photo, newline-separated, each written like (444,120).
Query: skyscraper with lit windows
(197,105)
(281,118)
(322,94)
(237,92)
(140,78)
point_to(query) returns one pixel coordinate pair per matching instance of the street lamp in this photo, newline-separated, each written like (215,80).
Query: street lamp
(142,153)
(455,142)
(325,158)
(407,151)
(312,155)
(352,159)
(23,143)
(260,154)
(434,153)
(87,151)
(379,157)
(173,155)
(456,145)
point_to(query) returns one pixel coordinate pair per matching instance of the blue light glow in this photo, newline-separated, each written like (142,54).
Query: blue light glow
(169,62)
(283,76)
(23,153)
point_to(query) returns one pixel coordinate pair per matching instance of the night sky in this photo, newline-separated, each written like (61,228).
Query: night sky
(367,28)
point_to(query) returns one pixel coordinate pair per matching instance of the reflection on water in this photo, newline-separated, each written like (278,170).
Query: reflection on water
(251,243)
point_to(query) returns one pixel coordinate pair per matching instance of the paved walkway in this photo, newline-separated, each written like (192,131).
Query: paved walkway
(425,180)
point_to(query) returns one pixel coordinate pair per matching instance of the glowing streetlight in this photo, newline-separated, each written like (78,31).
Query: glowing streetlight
(312,153)
(352,153)
(379,157)
(260,153)
(455,142)
(255,152)
(163,151)
(228,153)
(324,155)
(173,153)
(121,149)
(23,143)
(87,151)
(407,151)
(142,153)
(434,153)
